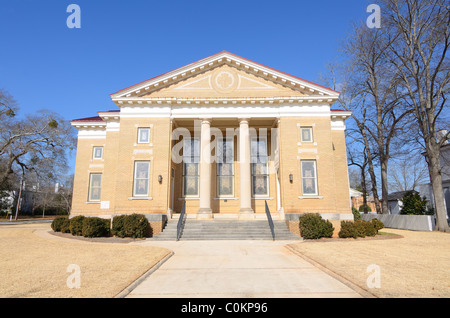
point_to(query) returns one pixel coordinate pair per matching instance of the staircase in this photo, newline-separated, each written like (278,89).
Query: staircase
(226,230)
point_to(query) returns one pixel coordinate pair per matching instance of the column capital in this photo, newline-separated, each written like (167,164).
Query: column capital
(243,120)
(206,120)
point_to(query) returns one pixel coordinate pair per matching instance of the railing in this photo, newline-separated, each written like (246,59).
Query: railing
(269,218)
(181,221)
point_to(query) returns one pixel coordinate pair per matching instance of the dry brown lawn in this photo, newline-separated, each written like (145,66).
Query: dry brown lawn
(417,265)
(34,263)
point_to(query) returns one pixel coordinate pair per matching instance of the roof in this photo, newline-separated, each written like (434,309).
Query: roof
(88,119)
(398,195)
(225,56)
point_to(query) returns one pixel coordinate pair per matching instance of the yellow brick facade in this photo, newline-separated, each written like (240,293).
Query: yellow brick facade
(178,100)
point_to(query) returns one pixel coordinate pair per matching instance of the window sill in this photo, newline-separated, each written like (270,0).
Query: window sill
(310,197)
(140,198)
(225,198)
(92,202)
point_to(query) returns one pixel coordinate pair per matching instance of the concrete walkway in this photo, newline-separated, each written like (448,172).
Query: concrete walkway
(225,269)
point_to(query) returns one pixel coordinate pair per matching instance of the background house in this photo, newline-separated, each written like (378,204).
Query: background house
(357,200)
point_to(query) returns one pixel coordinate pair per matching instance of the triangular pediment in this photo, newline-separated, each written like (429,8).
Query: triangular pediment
(223,82)
(224,75)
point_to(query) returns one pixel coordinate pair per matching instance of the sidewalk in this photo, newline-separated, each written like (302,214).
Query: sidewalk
(225,269)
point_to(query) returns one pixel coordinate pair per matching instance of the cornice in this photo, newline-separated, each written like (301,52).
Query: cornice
(230,59)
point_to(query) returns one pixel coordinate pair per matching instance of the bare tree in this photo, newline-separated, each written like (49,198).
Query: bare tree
(368,87)
(418,50)
(359,159)
(24,143)
(408,173)
(378,81)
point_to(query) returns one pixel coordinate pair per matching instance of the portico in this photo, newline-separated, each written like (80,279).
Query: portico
(234,177)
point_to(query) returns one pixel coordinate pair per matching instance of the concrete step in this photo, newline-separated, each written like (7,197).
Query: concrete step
(226,230)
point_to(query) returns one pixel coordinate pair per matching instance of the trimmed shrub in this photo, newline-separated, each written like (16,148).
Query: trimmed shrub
(96,227)
(117,225)
(347,230)
(365,228)
(360,228)
(76,225)
(136,226)
(377,224)
(312,226)
(61,224)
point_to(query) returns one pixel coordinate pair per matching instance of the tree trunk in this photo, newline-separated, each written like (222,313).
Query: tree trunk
(384,188)
(434,168)
(364,190)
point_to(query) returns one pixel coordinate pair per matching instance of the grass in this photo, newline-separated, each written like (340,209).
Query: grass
(388,234)
(35,264)
(417,264)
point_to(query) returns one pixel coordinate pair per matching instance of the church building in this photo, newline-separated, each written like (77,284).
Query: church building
(220,137)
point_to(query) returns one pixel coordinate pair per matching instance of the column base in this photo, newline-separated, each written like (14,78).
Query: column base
(246,214)
(204,214)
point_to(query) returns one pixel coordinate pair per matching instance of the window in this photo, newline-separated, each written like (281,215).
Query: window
(309,177)
(98,153)
(306,134)
(141,178)
(95,187)
(191,158)
(225,167)
(259,161)
(143,135)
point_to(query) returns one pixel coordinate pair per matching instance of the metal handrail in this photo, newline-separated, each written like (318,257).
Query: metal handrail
(269,218)
(181,221)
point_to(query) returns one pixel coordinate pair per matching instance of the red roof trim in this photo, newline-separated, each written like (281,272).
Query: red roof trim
(109,111)
(89,119)
(235,56)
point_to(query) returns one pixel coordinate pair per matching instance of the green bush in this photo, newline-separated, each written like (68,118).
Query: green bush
(60,224)
(76,225)
(361,208)
(312,226)
(413,204)
(117,225)
(360,228)
(348,229)
(134,225)
(377,224)
(96,227)
(356,214)
(365,228)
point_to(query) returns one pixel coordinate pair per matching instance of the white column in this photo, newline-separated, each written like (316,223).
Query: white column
(205,170)
(245,172)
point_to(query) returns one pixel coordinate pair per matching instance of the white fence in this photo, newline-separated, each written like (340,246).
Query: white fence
(404,222)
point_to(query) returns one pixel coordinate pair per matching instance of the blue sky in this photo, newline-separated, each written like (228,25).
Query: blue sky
(46,65)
